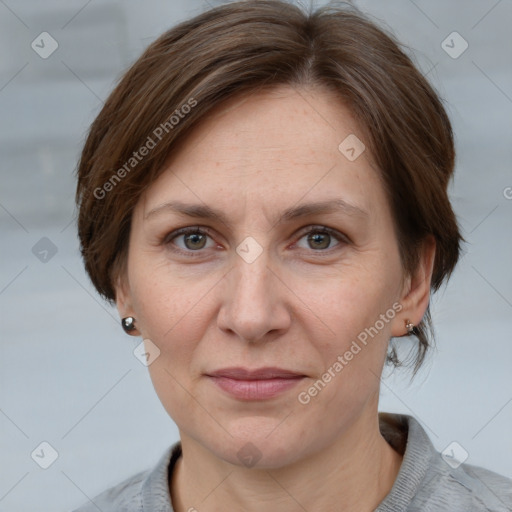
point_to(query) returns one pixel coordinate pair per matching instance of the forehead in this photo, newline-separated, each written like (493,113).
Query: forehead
(281,144)
(283,121)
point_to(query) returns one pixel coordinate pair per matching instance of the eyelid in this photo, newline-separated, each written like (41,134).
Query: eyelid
(186,230)
(325,229)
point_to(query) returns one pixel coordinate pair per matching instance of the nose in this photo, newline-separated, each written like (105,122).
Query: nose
(255,302)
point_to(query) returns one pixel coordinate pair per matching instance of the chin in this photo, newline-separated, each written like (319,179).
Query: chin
(260,449)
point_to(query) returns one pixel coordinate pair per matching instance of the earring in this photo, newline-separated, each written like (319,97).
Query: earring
(411,328)
(128,324)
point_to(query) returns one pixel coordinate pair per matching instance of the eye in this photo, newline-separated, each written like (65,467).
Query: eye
(193,238)
(319,238)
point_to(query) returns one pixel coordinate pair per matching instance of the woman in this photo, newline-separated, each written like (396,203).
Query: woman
(264,198)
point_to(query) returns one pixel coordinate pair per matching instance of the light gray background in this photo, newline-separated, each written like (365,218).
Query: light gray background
(67,372)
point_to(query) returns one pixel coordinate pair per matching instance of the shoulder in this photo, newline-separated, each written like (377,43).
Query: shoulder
(126,496)
(429,481)
(465,487)
(146,490)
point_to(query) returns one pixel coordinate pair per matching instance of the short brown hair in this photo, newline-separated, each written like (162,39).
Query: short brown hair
(248,45)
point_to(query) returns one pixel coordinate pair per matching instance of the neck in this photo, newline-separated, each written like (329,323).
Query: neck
(353,474)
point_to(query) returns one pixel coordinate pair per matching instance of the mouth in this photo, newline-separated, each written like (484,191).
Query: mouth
(257,384)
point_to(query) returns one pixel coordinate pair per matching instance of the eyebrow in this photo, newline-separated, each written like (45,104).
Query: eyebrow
(202,211)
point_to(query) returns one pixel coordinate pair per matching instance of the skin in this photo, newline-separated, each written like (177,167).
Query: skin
(299,305)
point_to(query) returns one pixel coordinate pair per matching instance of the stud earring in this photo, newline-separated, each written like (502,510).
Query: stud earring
(128,324)
(411,328)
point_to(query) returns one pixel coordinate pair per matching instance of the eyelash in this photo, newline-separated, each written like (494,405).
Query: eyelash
(205,231)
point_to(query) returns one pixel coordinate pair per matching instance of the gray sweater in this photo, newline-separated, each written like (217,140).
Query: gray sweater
(425,483)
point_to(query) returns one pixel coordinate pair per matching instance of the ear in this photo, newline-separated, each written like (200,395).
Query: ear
(124,301)
(416,290)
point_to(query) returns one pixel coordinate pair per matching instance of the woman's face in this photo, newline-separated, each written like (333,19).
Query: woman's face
(256,290)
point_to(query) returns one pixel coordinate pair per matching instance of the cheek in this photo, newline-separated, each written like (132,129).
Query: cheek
(358,308)
(351,357)
(171,316)
(162,297)
(352,299)
(172,312)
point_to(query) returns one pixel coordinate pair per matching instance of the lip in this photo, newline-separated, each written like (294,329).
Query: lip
(257,384)
(269,372)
